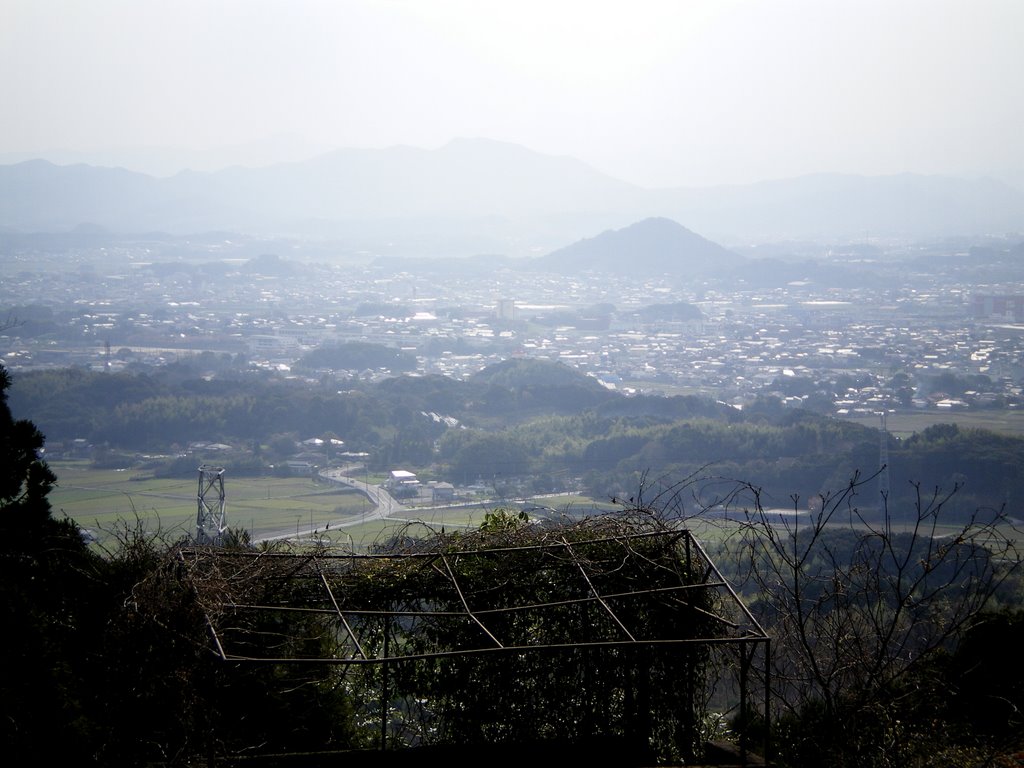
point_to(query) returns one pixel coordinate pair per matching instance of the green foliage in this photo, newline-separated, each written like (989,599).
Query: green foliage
(951,384)
(517,387)
(510,634)
(503,520)
(144,413)
(522,372)
(148,688)
(986,466)
(535,415)
(357,356)
(487,456)
(535,596)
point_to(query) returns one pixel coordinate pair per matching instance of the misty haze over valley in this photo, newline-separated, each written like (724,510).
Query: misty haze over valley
(484,251)
(458,278)
(744,245)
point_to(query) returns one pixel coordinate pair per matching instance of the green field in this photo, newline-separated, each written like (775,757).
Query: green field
(905,423)
(104,501)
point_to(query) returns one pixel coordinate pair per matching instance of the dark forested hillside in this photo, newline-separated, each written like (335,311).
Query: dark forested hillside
(516,420)
(356,356)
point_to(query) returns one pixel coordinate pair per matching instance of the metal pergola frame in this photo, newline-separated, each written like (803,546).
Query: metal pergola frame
(317,567)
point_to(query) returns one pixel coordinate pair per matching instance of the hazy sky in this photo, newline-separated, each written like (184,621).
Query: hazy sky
(657,93)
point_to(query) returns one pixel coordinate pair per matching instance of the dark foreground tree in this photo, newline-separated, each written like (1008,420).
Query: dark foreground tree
(25,479)
(44,587)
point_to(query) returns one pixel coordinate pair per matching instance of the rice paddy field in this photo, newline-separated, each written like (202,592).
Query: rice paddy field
(106,501)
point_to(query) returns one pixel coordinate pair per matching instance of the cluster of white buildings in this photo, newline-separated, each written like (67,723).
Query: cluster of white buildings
(748,339)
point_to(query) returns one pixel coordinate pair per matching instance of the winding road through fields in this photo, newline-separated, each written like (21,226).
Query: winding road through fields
(384,505)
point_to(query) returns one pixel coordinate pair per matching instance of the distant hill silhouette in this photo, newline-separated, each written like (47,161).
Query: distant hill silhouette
(475,196)
(650,246)
(470,196)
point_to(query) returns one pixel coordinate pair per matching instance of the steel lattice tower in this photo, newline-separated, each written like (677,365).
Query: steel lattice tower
(883,461)
(211,521)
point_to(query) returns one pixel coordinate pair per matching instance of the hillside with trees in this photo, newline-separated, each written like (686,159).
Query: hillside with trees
(515,421)
(890,644)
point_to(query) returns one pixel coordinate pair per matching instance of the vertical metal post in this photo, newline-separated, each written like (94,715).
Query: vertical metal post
(384,693)
(744,719)
(767,698)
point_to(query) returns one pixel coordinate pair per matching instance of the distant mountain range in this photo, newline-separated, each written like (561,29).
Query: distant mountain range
(481,196)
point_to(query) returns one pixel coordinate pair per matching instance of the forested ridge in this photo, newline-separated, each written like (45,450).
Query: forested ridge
(513,421)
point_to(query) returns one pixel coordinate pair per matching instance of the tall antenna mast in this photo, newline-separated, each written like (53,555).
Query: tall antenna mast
(211,521)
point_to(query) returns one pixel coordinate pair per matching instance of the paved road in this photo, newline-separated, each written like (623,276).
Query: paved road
(384,505)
